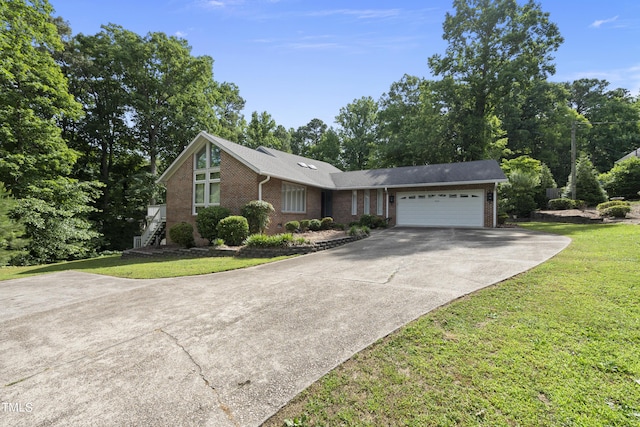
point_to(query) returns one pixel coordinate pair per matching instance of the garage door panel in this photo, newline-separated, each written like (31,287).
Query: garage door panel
(441,208)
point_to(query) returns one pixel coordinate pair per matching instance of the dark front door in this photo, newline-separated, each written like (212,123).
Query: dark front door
(326,203)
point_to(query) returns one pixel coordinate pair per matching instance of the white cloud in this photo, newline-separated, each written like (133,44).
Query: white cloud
(626,78)
(216,4)
(359,13)
(180,34)
(601,22)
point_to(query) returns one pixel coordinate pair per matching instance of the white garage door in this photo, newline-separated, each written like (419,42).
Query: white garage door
(456,208)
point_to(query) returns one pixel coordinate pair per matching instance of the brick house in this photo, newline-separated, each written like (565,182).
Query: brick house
(213,171)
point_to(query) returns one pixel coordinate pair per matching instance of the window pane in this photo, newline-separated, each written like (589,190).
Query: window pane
(200,176)
(354,202)
(214,193)
(201,159)
(199,193)
(214,155)
(214,175)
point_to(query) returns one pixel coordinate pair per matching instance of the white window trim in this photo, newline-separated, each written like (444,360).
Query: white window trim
(354,202)
(291,194)
(367,202)
(207,181)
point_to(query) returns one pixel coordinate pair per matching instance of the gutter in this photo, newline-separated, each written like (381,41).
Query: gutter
(260,187)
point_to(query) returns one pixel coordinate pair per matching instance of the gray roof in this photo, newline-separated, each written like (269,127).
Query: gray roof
(290,167)
(634,153)
(477,172)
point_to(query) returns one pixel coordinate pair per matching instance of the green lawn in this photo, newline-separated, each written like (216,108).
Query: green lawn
(139,268)
(556,346)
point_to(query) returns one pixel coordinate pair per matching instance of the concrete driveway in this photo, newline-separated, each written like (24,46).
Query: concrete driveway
(229,349)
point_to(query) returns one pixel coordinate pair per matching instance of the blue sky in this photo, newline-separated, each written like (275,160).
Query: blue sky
(303,59)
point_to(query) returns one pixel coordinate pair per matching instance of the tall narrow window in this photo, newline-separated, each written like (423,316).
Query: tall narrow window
(206,177)
(354,202)
(380,201)
(367,202)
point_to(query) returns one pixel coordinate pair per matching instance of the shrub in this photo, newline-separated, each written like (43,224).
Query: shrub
(315,225)
(326,223)
(517,195)
(292,226)
(275,241)
(304,225)
(561,204)
(614,208)
(588,187)
(208,219)
(359,231)
(616,211)
(372,221)
(182,234)
(233,230)
(257,214)
(623,180)
(217,242)
(611,203)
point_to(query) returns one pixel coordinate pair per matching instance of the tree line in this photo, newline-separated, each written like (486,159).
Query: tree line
(87,122)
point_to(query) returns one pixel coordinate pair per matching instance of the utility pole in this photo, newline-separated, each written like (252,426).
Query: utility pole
(573,160)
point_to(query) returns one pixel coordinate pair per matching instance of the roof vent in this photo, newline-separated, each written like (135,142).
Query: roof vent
(312,167)
(302,165)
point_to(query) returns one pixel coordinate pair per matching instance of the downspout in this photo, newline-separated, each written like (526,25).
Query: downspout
(495,204)
(260,187)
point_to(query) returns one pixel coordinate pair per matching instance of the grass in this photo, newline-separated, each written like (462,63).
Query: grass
(113,265)
(556,346)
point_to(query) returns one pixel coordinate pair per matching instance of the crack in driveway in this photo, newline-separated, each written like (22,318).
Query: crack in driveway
(227,411)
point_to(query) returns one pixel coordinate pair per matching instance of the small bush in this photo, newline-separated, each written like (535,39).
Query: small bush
(264,241)
(217,242)
(315,225)
(614,208)
(233,230)
(304,225)
(326,223)
(292,226)
(612,203)
(366,220)
(359,231)
(257,214)
(208,219)
(372,221)
(565,204)
(182,234)
(616,211)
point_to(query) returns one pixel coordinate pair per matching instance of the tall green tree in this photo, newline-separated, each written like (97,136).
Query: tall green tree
(261,131)
(328,149)
(358,132)
(12,231)
(33,97)
(411,125)
(588,188)
(615,119)
(306,137)
(538,124)
(494,47)
(35,161)
(171,94)
(228,108)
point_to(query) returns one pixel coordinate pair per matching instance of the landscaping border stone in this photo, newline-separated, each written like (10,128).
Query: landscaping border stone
(242,252)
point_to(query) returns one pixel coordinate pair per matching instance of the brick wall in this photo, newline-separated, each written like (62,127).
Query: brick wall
(272,193)
(238,183)
(180,199)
